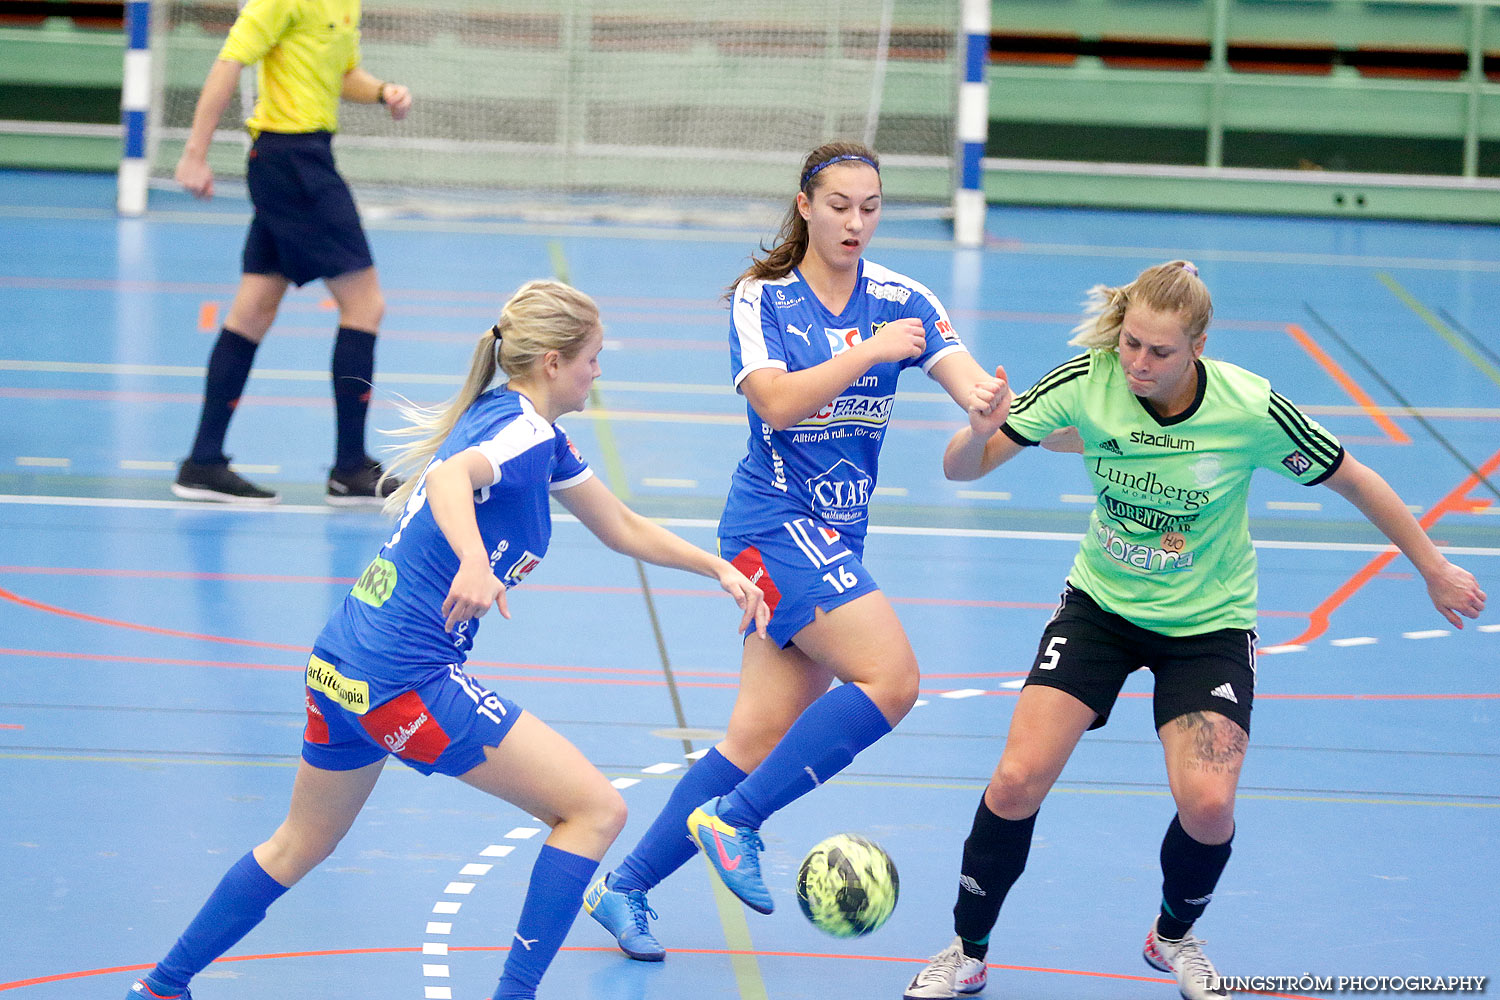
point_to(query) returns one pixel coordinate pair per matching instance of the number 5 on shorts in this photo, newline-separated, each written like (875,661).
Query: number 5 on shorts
(1052,655)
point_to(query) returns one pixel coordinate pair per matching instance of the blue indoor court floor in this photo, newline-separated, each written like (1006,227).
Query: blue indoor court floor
(150,649)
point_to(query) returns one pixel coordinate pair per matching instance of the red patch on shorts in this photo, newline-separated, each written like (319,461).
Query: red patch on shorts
(751,563)
(317,726)
(406,728)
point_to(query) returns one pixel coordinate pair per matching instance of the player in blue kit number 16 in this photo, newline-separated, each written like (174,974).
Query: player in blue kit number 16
(386,676)
(818,337)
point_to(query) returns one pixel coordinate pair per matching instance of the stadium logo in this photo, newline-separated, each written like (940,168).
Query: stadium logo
(1163,440)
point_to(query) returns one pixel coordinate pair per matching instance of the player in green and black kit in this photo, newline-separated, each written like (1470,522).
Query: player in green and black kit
(1165,578)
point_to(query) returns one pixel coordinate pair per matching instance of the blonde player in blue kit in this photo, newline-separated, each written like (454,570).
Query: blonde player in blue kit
(1165,578)
(386,676)
(818,336)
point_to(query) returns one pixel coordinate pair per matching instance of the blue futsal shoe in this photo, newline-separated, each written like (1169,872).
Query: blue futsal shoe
(146,989)
(734,854)
(624,915)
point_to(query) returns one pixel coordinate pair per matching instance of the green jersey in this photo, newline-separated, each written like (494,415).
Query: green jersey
(1168,544)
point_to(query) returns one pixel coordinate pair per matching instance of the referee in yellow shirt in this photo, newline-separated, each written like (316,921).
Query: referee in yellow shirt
(305,227)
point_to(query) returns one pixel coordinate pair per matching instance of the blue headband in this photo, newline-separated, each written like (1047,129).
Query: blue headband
(813,172)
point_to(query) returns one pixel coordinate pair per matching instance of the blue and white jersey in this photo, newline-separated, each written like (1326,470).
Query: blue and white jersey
(826,465)
(389,630)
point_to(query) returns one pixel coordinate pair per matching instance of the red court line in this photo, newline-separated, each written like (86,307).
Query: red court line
(1456,500)
(27,602)
(63,977)
(10,725)
(1350,386)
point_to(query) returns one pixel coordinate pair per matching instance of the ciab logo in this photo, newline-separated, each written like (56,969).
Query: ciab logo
(841,493)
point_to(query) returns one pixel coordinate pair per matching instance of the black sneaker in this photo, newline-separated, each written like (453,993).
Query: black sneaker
(361,487)
(218,483)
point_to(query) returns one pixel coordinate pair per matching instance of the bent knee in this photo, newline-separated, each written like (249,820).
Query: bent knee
(1016,791)
(894,691)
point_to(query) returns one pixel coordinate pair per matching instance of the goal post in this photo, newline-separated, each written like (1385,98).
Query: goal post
(648,102)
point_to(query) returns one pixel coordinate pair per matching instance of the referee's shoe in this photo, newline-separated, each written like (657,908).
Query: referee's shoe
(364,486)
(219,483)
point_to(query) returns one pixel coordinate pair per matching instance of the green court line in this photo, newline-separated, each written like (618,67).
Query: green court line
(1442,329)
(932,786)
(742,961)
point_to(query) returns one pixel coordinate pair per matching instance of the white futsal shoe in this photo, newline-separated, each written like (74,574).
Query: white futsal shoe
(1197,979)
(951,973)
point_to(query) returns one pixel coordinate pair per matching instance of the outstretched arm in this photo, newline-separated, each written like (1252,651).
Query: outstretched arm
(979,448)
(627,532)
(1453,589)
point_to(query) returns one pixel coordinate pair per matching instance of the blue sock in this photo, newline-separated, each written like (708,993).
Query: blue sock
(233,908)
(558,881)
(666,846)
(820,744)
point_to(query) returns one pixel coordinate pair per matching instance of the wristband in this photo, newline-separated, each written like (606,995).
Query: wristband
(380,94)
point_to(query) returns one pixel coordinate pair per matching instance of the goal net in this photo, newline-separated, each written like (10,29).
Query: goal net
(654,102)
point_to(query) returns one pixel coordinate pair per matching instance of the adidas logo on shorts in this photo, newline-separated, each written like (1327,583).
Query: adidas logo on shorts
(1226,692)
(967,884)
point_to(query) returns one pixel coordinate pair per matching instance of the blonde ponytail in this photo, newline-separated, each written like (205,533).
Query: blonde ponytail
(1173,287)
(541,316)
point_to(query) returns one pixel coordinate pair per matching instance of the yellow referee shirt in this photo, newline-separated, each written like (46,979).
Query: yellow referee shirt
(304,48)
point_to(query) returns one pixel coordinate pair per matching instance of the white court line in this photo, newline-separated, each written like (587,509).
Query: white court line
(663,768)
(323,510)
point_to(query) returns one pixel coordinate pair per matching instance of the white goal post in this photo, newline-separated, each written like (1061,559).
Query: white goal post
(650,102)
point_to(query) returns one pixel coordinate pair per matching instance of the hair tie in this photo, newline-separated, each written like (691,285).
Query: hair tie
(495,331)
(1190,268)
(812,172)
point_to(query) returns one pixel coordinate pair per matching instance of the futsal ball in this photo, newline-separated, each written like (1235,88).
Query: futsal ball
(847,886)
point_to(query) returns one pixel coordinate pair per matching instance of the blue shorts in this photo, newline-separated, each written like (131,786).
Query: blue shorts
(305,225)
(439,727)
(801,566)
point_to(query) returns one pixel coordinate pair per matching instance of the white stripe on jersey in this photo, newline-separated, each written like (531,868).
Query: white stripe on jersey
(747,317)
(564,484)
(519,436)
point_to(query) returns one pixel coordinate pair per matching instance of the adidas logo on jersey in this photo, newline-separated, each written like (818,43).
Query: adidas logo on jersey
(1112,446)
(1226,692)
(967,884)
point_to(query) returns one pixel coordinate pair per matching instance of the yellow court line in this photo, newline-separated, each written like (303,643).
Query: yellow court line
(1442,329)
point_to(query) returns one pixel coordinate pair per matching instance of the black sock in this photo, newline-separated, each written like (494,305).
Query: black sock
(1190,871)
(994,857)
(228,369)
(353,374)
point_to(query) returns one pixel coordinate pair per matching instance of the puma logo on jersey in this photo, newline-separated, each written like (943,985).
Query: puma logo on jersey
(800,333)
(1226,692)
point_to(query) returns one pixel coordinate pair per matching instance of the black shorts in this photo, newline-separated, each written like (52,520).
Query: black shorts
(1088,652)
(305,225)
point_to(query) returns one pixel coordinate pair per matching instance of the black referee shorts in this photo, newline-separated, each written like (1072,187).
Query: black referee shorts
(1088,652)
(305,226)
